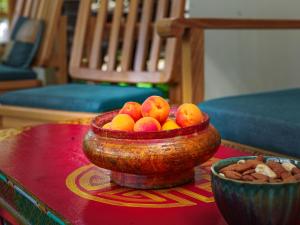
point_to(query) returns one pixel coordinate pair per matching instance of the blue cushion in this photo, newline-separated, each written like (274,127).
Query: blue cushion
(265,120)
(13,73)
(77,97)
(25,40)
(17,53)
(20,21)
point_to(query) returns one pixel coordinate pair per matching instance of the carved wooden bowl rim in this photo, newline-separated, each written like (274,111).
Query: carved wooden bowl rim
(104,118)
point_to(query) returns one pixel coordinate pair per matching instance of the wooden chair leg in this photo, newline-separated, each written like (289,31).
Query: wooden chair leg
(62,55)
(1,122)
(175,91)
(175,94)
(58,58)
(193,66)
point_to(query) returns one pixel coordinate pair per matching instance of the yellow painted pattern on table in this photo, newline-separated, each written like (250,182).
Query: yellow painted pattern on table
(93,183)
(81,121)
(11,132)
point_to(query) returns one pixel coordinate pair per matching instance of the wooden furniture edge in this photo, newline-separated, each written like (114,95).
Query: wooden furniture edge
(20,219)
(253,150)
(112,76)
(18,84)
(34,113)
(175,27)
(14,116)
(33,199)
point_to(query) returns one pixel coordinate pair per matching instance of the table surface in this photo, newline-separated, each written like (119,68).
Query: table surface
(47,162)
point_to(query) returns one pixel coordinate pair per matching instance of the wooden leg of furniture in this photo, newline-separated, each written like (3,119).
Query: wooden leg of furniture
(58,59)
(193,65)
(197,54)
(175,91)
(18,84)
(12,116)
(1,122)
(62,53)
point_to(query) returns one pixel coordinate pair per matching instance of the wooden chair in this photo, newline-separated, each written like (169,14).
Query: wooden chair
(118,45)
(266,122)
(140,46)
(52,52)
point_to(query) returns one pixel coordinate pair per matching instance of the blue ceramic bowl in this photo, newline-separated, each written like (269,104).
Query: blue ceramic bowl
(246,203)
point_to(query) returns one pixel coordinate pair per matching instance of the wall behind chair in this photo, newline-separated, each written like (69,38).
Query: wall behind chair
(239,62)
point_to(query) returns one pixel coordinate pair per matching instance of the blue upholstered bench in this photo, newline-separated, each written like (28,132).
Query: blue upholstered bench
(78,97)
(270,121)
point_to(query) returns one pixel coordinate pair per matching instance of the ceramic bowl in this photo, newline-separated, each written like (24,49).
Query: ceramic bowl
(242,202)
(150,160)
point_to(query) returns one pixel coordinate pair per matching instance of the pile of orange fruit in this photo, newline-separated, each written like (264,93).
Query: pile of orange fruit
(154,115)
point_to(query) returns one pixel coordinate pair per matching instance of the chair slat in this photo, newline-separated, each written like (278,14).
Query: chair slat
(136,33)
(88,40)
(116,76)
(34,10)
(28,7)
(51,17)
(177,10)
(80,31)
(143,38)
(18,11)
(114,35)
(96,51)
(42,9)
(162,8)
(129,39)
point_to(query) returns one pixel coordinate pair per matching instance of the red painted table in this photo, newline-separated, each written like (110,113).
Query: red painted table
(46,179)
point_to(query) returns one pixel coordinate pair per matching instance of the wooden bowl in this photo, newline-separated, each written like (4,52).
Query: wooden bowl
(150,160)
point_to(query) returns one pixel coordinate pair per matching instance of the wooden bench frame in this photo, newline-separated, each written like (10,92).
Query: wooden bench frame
(12,116)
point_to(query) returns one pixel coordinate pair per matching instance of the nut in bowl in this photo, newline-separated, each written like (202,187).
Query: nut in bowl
(257,190)
(150,159)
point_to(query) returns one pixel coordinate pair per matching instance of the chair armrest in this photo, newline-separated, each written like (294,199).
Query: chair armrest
(176,27)
(190,32)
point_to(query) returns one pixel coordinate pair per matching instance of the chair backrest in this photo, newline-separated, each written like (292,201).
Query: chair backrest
(50,12)
(116,41)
